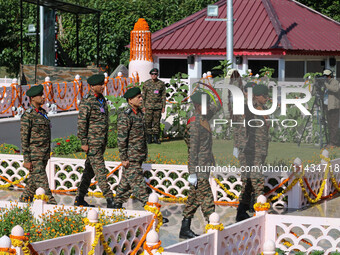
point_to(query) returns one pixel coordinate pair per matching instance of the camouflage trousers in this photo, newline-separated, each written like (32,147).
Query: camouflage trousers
(152,121)
(37,179)
(252,182)
(95,166)
(200,196)
(132,182)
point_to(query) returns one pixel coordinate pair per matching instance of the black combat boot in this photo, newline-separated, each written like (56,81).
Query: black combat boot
(110,203)
(79,201)
(149,139)
(156,139)
(186,232)
(242,212)
(117,205)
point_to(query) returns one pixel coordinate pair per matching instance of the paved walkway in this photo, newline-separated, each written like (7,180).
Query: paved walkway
(169,232)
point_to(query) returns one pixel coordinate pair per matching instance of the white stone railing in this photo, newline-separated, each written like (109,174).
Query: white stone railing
(264,233)
(64,174)
(120,236)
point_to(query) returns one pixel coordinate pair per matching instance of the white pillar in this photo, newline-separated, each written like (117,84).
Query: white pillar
(92,216)
(269,248)
(295,195)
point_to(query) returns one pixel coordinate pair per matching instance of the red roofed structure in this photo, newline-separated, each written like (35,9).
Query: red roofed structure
(282,34)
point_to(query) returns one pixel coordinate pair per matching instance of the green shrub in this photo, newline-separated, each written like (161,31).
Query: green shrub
(8,149)
(65,146)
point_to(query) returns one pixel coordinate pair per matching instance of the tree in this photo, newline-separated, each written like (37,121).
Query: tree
(329,8)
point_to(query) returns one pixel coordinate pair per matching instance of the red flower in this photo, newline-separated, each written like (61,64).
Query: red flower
(58,143)
(67,140)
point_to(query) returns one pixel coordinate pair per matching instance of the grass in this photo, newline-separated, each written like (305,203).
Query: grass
(175,152)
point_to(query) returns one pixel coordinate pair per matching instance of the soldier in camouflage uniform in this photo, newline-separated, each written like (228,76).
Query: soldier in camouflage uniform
(240,141)
(154,100)
(255,152)
(93,125)
(132,149)
(36,144)
(198,137)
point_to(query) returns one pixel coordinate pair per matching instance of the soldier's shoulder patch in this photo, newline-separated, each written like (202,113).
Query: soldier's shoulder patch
(128,111)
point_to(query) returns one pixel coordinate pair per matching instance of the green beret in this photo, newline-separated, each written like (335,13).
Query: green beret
(131,93)
(96,79)
(260,90)
(197,97)
(153,70)
(35,90)
(250,85)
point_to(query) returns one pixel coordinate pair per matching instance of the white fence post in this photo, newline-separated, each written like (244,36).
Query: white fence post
(269,248)
(50,170)
(152,239)
(92,216)
(38,204)
(295,194)
(19,234)
(262,200)
(214,219)
(5,243)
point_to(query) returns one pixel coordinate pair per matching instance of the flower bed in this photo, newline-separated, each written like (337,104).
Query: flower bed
(51,228)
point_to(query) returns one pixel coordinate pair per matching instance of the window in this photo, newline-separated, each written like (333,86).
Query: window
(256,65)
(170,67)
(338,70)
(294,70)
(208,65)
(315,66)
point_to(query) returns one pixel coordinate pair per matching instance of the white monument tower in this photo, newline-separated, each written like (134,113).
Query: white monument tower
(140,51)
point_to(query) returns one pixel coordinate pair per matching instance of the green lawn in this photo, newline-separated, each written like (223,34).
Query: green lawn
(175,152)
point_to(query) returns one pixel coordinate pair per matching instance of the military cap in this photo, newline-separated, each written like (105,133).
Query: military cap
(155,70)
(35,90)
(327,72)
(197,97)
(260,89)
(96,79)
(132,92)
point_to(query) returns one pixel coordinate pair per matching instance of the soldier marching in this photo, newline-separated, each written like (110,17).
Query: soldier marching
(154,100)
(93,125)
(36,144)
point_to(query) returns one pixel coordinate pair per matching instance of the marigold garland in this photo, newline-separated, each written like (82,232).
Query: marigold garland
(7,251)
(261,207)
(9,184)
(149,249)
(319,195)
(21,241)
(41,197)
(157,214)
(182,200)
(290,186)
(225,189)
(99,236)
(218,227)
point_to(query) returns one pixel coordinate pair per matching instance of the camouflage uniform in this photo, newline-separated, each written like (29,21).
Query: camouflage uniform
(154,100)
(199,141)
(36,147)
(132,147)
(93,124)
(255,152)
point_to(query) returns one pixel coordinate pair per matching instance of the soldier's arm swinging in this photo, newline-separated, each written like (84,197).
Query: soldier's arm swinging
(193,147)
(83,125)
(123,138)
(25,132)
